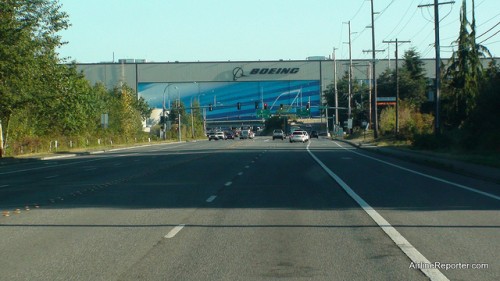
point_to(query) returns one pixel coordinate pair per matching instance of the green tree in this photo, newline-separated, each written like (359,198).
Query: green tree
(412,81)
(359,99)
(464,73)
(28,40)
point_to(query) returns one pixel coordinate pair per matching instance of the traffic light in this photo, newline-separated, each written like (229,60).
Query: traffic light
(265,106)
(281,106)
(307,106)
(256,105)
(238,105)
(210,107)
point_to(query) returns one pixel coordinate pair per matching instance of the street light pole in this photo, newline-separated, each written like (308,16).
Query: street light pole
(192,119)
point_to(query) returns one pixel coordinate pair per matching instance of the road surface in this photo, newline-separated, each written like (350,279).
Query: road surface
(245,210)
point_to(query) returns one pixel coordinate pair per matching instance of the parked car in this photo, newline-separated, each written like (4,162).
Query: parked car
(299,136)
(278,134)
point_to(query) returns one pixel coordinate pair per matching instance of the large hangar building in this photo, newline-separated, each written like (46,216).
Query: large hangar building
(291,85)
(285,85)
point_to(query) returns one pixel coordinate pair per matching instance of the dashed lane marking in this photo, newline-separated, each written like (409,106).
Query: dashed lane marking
(174,231)
(211,198)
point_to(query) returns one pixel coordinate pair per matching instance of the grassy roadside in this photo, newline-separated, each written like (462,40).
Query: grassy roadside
(487,158)
(92,148)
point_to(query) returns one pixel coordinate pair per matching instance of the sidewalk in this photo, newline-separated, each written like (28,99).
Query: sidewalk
(436,160)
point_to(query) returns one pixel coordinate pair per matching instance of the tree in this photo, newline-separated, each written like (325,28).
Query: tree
(412,81)
(464,72)
(28,40)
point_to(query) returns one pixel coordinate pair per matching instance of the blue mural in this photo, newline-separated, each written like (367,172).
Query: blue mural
(224,96)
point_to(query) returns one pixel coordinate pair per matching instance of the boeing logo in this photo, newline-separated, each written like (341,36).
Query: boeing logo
(275,70)
(238,71)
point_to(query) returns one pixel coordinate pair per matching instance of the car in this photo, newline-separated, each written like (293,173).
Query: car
(278,134)
(314,134)
(229,135)
(244,134)
(299,136)
(247,134)
(219,135)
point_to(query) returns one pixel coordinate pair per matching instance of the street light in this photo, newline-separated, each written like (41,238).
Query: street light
(164,111)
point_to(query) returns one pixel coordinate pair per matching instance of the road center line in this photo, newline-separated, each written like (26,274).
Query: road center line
(211,198)
(399,240)
(174,231)
(425,175)
(228,183)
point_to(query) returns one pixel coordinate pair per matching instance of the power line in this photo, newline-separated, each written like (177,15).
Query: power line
(360,7)
(488,30)
(489,37)
(402,18)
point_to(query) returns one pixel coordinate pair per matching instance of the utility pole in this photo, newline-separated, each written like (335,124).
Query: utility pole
(335,87)
(1,140)
(374,100)
(397,79)
(369,93)
(437,47)
(350,73)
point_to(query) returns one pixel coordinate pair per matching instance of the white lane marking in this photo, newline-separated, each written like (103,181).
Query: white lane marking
(427,176)
(90,169)
(174,231)
(240,173)
(228,183)
(5,185)
(399,240)
(246,167)
(51,177)
(211,198)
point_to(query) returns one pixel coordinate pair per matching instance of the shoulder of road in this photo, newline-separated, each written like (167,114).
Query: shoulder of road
(441,161)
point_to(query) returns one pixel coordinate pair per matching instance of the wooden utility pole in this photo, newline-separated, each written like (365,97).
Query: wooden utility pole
(335,88)
(397,80)
(436,4)
(374,100)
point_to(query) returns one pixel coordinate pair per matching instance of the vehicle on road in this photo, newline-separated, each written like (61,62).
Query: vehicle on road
(278,134)
(299,136)
(314,134)
(229,135)
(247,134)
(219,135)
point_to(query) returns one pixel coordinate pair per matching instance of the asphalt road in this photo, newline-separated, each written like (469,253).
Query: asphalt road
(245,210)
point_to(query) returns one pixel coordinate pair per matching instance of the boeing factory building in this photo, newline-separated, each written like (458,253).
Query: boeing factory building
(292,85)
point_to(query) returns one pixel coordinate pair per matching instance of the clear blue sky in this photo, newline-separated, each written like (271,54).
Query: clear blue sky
(222,30)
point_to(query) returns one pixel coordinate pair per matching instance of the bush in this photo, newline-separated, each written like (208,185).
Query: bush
(411,122)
